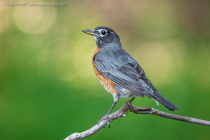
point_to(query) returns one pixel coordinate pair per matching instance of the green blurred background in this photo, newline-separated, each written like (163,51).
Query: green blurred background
(48,89)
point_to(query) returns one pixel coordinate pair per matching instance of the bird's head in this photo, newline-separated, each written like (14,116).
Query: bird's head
(104,36)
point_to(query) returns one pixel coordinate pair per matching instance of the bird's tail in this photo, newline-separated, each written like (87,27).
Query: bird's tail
(158,97)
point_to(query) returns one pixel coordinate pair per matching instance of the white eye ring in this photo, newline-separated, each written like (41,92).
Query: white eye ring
(102,32)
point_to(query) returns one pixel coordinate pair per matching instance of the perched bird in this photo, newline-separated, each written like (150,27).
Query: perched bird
(118,72)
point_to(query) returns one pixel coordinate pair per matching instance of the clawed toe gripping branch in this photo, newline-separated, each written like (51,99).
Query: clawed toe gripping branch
(137,110)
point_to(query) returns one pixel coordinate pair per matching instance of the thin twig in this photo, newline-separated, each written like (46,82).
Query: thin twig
(137,110)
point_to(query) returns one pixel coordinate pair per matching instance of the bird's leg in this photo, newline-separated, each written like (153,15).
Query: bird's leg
(105,117)
(129,103)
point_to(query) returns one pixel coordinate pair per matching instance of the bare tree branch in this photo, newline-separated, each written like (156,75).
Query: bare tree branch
(138,110)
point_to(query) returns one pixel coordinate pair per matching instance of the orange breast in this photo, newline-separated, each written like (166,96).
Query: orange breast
(106,83)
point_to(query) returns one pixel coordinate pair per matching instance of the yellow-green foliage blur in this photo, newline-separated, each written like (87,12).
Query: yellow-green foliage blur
(48,89)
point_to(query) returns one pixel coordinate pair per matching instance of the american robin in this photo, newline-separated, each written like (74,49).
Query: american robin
(118,72)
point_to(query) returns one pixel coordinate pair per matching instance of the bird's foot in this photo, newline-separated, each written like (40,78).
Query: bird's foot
(106,118)
(130,105)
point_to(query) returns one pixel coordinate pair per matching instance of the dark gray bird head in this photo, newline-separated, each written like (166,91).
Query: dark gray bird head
(104,36)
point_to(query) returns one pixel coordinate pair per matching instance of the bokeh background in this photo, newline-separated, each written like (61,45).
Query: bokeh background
(48,89)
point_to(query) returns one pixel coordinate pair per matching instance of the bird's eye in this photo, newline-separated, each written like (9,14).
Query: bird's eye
(103,32)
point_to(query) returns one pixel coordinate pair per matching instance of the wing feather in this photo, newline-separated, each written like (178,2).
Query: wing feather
(124,76)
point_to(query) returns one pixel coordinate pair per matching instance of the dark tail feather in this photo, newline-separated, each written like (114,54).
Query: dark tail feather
(157,96)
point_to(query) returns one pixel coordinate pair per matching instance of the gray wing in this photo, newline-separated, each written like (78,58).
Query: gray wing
(155,94)
(125,73)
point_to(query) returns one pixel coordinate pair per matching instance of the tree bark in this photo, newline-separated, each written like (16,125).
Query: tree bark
(137,110)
